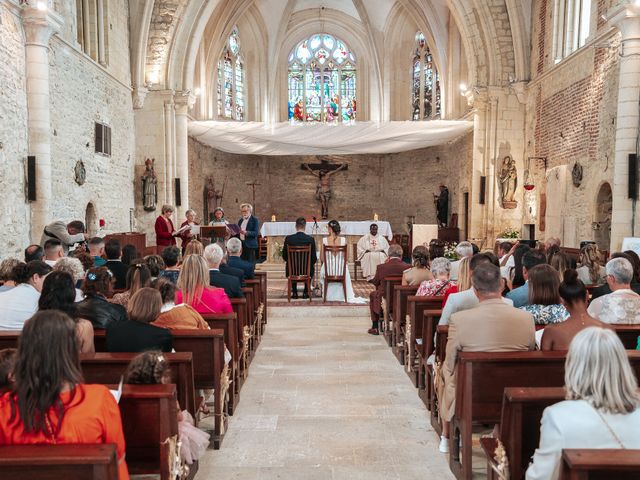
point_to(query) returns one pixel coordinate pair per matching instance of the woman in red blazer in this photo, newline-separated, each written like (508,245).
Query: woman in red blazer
(165,233)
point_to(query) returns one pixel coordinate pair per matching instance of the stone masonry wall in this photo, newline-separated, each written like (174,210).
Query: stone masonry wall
(14,220)
(394,186)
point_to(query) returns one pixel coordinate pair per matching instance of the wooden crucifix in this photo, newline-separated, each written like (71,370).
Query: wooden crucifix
(323,171)
(253,186)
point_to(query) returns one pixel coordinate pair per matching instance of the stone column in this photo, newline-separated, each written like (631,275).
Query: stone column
(169,149)
(183,101)
(39,26)
(478,99)
(101,32)
(627,19)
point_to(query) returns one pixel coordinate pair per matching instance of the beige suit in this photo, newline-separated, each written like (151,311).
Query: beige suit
(415,276)
(492,326)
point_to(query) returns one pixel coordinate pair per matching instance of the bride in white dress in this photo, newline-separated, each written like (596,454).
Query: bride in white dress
(335,292)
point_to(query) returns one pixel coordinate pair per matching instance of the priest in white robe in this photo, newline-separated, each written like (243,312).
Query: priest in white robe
(372,251)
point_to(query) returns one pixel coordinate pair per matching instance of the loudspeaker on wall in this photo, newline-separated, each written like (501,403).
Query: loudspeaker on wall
(31,178)
(633,176)
(177,191)
(483,189)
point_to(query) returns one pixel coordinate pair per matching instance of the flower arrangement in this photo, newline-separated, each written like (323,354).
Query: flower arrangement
(510,233)
(450,250)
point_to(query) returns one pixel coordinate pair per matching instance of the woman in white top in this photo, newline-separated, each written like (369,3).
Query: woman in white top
(21,302)
(335,291)
(591,272)
(601,410)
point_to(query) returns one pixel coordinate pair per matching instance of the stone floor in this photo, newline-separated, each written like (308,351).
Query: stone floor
(324,400)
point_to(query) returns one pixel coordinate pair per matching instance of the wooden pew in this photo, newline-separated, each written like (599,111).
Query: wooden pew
(386,322)
(400,295)
(481,380)
(240,309)
(440,350)
(52,462)
(628,334)
(430,319)
(413,330)
(108,368)
(262,276)
(602,464)
(256,286)
(251,319)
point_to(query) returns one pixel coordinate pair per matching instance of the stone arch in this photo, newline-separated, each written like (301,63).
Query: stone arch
(602,216)
(91,219)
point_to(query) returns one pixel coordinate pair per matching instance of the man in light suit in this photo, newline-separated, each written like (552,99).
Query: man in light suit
(492,326)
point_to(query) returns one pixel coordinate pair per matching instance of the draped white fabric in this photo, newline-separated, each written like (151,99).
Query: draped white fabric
(325,139)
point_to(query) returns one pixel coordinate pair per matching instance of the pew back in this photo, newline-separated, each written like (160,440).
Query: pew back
(604,464)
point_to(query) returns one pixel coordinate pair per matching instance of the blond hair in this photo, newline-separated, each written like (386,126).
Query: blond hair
(590,258)
(193,278)
(144,305)
(167,208)
(464,279)
(194,247)
(598,371)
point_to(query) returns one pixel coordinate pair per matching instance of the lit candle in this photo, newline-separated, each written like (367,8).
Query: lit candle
(273,218)
(375,217)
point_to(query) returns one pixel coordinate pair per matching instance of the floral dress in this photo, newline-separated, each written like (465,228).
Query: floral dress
(546,314)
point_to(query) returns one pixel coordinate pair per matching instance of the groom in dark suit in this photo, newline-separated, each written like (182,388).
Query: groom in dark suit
(299,239)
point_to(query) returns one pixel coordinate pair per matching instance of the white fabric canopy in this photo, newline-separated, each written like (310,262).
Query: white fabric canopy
(257,138)
(281,229)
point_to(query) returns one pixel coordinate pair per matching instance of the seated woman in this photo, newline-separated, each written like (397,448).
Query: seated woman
(574,297)
(95,307)
(49,403)
(420,271)
(129,254)
(138,276)
(174,316)
(440,284)
(73,267)
(591,271)
(137,334)
(464,275)
(59,293)
(561,262)
(171,258)
(155,264)
(601,410)
(544,297)
(6,279)
(194,288)
(195,247)
(21,302)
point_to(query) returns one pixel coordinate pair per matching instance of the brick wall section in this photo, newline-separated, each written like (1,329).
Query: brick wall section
(391,185)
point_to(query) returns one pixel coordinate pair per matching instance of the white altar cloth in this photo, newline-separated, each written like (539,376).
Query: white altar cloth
(281,229)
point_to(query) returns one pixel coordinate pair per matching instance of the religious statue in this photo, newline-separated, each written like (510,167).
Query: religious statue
(323,189)
(149,186)
(508,182)
(442,206)
(212,197)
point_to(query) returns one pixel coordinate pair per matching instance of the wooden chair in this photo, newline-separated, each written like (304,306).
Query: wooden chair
(299,268)
(334,260)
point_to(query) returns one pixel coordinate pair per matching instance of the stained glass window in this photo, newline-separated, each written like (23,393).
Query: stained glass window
(322,81)
(230,88)
(425,83)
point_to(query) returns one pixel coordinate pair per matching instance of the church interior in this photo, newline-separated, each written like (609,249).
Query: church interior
(496,125)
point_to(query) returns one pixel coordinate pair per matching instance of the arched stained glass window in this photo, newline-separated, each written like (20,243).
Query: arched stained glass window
(322,81)
(425,84)
(230,87)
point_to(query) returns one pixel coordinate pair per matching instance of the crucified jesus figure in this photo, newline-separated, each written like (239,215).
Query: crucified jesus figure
(323,189)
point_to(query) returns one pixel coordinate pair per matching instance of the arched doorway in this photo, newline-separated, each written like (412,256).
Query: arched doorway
(602,220)
(91,220)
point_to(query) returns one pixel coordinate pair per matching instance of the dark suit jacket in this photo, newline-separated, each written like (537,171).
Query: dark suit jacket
(131,336)
(246,267)
(233,271)
(230,283)
(253,229)
(299,239)
(393,266)
(119,271)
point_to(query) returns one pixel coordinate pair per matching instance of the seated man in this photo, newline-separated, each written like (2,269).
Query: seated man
(234,250)
(52,251)
(213,255)
(463,250)
(492,326)
(299,239)
(520,295)
(68,234)
(393,266)
(372,251)
(33,252)
(622,305)
(96,250)
(113,251)
(171,257)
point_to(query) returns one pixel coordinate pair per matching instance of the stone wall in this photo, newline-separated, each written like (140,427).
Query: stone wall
(14,218)
(394,186)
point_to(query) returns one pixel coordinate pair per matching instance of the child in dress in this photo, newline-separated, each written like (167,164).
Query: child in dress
(152,368)
(8,357)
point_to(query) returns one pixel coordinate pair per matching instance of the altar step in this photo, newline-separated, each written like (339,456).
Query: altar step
(275,271)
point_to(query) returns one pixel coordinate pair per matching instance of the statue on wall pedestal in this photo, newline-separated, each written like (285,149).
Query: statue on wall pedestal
(212,197)
(149,186)
(508,183)
(442,206)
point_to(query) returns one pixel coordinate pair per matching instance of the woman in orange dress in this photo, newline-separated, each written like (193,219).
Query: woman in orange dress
(49,403)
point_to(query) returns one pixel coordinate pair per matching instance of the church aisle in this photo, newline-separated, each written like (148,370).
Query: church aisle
(324,400)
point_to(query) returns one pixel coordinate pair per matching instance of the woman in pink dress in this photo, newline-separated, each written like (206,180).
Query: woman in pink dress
(195,290)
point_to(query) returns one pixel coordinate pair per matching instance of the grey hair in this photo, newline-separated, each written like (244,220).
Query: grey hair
(249,206)
(598,371)
(190,211)
(395,251)
(213,254)
(70,265)
(620,269)
(464,249)
(440,266)
(234,245)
